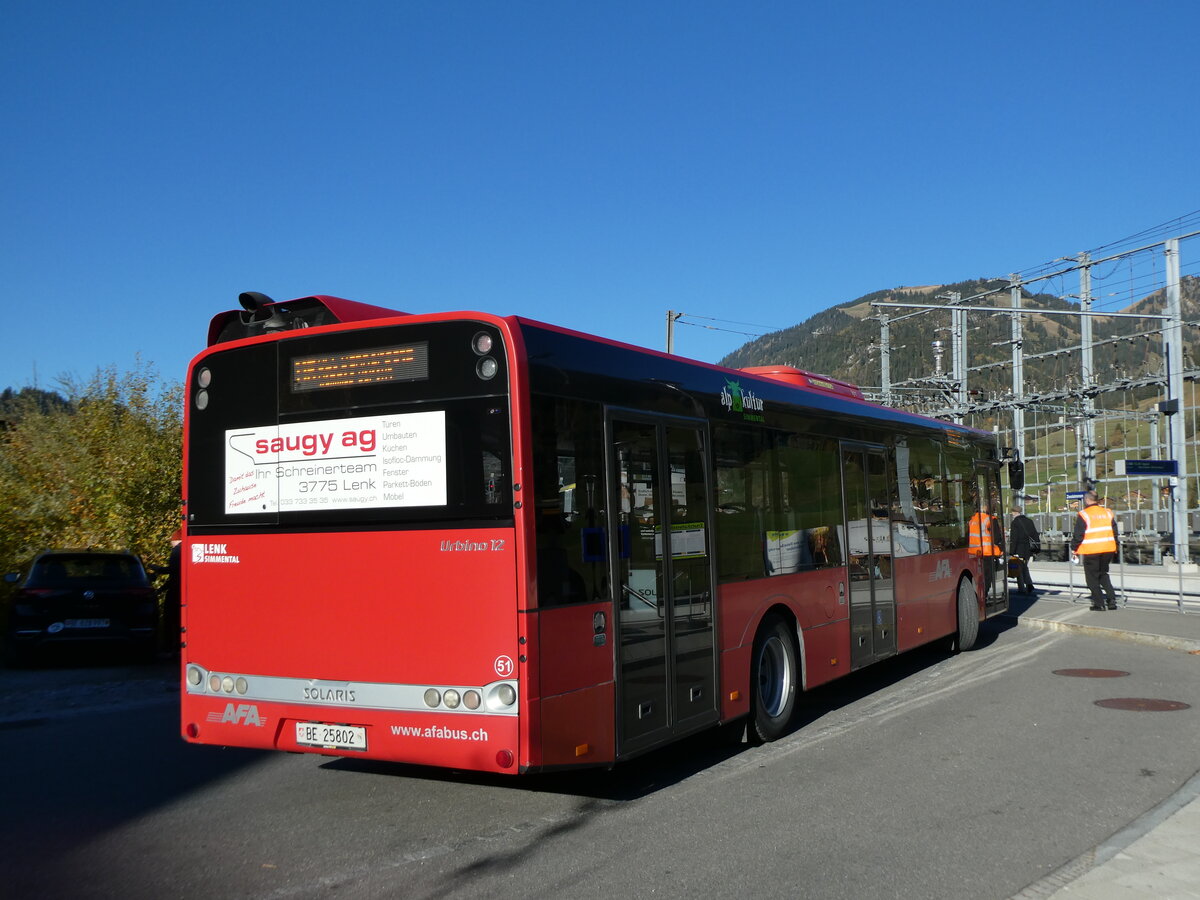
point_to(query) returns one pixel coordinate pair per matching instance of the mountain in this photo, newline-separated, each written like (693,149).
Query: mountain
(843,341)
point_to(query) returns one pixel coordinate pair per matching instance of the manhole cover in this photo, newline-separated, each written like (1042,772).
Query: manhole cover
(1143,704)
(1091,673)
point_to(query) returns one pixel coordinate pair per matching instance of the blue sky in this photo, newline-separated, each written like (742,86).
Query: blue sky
(588,164)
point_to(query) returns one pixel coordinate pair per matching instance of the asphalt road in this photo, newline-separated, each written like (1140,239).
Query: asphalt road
(930,776)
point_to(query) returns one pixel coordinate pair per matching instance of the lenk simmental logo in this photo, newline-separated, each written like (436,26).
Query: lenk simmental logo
(737,400)
(213,553)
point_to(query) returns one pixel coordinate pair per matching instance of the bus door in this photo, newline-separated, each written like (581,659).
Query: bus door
(995,567)
(661,536)
(868,541)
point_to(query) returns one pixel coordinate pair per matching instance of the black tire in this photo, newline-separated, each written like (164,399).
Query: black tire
(730,734)
(774,673)
(16,655)
(968,616)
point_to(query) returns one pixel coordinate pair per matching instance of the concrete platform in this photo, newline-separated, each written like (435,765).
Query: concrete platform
(1156,856)
(1150,587)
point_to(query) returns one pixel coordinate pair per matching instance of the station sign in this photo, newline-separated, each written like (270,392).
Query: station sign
(1147,467)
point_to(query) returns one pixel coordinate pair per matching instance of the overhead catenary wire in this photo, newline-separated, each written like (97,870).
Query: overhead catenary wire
(1124,292)
(682,319)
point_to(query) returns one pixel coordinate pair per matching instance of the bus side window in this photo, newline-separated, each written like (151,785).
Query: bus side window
(779,503)
(812,497)
(919,510)
(742,504)
(568,465)
(957,503)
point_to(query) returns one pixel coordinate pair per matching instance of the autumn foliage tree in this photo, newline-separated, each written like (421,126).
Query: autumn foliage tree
(95,466)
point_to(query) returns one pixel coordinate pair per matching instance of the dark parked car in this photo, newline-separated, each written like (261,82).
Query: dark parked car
(81,596)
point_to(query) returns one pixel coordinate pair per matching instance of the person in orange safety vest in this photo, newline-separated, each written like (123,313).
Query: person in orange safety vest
(1095,540)
(985,538)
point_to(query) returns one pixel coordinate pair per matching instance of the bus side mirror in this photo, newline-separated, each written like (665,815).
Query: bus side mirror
(261,311)
(253,301)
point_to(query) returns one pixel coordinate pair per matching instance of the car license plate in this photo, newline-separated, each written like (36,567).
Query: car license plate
(339,737)
(86,623)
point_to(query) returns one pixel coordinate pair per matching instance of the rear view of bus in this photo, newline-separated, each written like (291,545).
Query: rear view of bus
(350,566)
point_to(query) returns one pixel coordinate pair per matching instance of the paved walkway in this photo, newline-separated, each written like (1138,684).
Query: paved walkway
(1160,587)
(1156,857)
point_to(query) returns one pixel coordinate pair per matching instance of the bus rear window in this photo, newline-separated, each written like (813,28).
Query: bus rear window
(382,425)
(357,463)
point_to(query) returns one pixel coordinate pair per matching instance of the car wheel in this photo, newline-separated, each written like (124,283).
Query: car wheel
(16,655)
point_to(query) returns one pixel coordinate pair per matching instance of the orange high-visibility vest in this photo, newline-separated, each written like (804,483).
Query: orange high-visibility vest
(979,536)
(1098,533)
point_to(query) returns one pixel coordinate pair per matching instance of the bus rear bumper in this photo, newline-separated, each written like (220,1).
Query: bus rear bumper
(474,741)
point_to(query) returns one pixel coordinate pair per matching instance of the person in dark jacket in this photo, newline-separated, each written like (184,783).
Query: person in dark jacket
(1023,542)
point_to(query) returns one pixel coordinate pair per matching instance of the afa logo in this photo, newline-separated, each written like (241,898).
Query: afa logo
(942,570)
(242,714)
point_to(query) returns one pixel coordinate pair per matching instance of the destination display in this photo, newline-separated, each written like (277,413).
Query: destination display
(360,463)
(378,365)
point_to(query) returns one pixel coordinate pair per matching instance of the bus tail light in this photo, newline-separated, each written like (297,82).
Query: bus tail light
(498,697)
(217,684)
(193,730)
(501,696)
(487,368)
(504,759)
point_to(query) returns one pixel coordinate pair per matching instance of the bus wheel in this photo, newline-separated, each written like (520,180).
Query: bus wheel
(968,615)
(773,676)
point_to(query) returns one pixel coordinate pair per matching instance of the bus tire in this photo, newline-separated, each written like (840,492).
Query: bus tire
(968,615)
(773,677)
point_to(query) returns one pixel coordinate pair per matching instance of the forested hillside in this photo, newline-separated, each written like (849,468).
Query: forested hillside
(843,340)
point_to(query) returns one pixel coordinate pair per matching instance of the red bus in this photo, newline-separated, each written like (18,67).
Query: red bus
(488,543)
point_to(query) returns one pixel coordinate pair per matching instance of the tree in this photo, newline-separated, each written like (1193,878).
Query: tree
(101,470)
(13,403)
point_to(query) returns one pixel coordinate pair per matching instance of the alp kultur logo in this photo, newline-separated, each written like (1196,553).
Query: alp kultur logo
(736,399)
